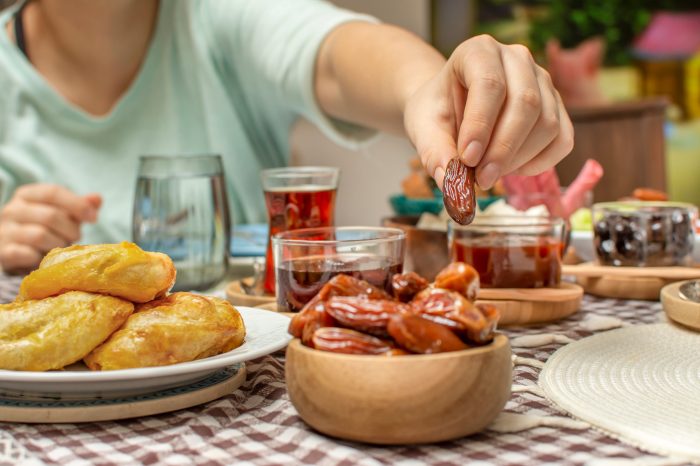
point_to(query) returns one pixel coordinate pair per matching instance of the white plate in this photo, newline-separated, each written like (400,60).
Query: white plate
(266,332)
(582,241)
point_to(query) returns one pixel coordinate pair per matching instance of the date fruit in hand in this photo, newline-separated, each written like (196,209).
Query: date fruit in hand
(458,192)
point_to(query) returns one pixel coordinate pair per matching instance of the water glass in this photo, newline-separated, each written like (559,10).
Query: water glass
(297,197)
(181,209)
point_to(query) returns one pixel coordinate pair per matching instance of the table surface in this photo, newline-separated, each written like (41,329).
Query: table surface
(257,424)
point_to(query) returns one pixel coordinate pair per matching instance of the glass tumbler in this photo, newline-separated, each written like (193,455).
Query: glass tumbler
(297,197)
(181,209)
(511,252)
(306,259)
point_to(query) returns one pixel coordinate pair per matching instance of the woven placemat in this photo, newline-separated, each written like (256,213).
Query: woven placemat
(640,384)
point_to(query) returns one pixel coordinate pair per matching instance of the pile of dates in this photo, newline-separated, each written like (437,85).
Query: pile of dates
(351,316)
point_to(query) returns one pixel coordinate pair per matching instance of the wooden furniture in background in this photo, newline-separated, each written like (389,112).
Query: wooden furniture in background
(627,138)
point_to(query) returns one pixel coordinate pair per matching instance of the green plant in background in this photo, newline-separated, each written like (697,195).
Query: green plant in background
(617,21)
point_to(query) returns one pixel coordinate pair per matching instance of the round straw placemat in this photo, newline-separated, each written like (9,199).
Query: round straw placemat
(639,384)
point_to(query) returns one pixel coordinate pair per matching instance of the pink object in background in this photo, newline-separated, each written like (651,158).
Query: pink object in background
(670,35)
(527,191)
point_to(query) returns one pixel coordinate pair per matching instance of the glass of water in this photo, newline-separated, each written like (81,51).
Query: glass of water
(181,209)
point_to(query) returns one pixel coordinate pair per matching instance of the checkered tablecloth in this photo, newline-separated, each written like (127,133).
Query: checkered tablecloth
(257,425)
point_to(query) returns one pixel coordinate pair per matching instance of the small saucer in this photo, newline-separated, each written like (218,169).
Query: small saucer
(236,296)
(20,407)
(678,309)
(642,283)
(523,306)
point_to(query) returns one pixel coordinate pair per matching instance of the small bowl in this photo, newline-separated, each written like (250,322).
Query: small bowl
(644,234)
(401,399)
(512,251)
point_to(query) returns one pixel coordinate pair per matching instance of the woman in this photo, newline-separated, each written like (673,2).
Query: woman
(89,85)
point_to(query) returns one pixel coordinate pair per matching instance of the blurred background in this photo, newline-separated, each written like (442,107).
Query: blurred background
(628,70)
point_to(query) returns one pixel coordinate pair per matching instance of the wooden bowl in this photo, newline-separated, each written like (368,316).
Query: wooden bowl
(678,309)
(402,399)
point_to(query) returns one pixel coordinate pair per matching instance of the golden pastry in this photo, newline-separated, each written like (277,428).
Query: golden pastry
(181,327)
(123,270)
(54,332)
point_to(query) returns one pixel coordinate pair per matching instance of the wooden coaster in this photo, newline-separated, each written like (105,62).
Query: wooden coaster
(678,309)
(522,306)
(221,383)
(643,283)
(236,296)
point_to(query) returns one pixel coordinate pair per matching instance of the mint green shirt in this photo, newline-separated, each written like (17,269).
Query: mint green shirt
(228,77)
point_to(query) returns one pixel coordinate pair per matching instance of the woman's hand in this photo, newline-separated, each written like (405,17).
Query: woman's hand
(492,105)
(38,218)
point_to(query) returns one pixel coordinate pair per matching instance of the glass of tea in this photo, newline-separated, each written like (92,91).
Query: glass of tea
(306,259)
(511,252)
(296,198)
(181,209)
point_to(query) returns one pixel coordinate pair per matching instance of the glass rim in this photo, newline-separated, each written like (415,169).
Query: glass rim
(641,205)
(156,157)
(291,172)
(393,234)
(502,222)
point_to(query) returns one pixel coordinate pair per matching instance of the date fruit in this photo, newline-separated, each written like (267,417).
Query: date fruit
(458,192)
(423,336)
(345,285)
(453,310)
(459,277)
(343,340)
(365,315)
(406,285)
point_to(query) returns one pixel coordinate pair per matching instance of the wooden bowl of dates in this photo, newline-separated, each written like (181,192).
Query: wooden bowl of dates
(399,400)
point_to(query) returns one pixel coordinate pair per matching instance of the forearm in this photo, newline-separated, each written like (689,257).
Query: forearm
(365,73)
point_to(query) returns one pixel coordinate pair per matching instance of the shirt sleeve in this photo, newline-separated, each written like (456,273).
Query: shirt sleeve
(272,47)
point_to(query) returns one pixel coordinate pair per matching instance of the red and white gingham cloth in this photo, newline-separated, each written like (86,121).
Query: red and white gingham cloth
(257,424)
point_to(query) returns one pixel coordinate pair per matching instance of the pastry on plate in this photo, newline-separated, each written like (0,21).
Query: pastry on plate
(123,270)
(178,328)
(54,332)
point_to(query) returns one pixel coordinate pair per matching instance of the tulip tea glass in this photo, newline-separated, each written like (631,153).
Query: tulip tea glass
(297,197)
(181,209)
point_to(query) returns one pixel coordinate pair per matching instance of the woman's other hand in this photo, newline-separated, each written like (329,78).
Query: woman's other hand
(38,218)
(492,105)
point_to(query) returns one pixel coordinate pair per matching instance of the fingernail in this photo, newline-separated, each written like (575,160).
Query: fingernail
(472,154)
(488,176)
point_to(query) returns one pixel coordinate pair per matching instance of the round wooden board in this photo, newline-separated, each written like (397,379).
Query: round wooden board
(533,306)
(680,310)
(211,388)
(236,296)
(644,283)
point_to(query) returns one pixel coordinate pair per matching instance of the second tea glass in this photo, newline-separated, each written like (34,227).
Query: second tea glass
(306,259)
(297,197)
